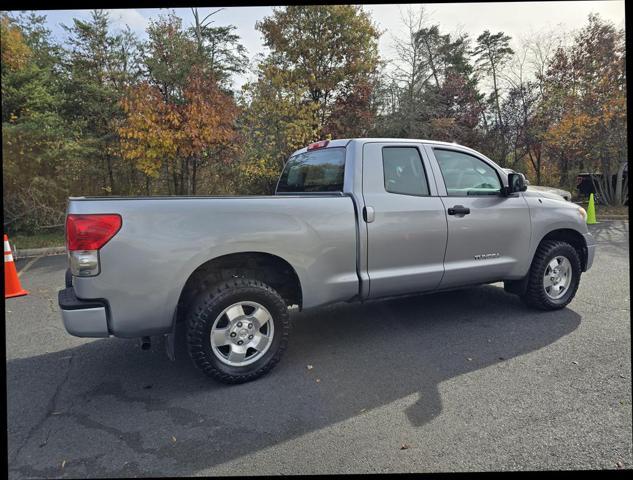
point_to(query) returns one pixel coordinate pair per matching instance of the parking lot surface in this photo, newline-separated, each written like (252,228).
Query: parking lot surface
(468,380)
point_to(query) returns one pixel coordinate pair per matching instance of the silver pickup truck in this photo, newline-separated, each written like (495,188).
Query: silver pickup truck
(351,220)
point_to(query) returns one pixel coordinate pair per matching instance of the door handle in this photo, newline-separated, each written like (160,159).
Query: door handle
(369,214)
(459,210)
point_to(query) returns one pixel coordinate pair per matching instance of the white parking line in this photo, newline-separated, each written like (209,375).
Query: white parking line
(29,265)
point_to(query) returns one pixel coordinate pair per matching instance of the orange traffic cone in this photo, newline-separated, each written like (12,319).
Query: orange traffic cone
(12,287)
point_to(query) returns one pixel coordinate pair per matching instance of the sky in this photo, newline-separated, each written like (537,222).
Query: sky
(517,19)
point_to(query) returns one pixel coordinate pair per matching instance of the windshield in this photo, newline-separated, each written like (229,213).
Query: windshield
(314,171)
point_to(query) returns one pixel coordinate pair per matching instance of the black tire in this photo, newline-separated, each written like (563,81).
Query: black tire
(535,295)
(209,304)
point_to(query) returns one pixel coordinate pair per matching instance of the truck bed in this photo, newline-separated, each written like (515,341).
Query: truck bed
(162,241)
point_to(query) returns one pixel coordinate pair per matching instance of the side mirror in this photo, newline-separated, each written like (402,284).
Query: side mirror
(516,183)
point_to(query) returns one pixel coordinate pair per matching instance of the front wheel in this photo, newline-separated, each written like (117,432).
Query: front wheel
(554,276)
(237,330)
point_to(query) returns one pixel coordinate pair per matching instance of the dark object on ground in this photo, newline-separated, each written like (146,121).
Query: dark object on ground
(585,186)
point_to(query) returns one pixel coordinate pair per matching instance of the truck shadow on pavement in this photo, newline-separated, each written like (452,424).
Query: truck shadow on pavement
(114,410)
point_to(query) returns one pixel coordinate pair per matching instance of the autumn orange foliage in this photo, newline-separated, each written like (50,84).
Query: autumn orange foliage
(158,133)
(15,53)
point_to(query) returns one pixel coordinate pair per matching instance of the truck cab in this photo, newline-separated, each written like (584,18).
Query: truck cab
(433,215)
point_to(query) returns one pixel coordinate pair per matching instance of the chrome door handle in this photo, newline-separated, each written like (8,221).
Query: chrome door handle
(369,214)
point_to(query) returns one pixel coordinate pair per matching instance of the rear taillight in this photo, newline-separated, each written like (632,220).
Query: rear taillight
(85,235)
(92,231)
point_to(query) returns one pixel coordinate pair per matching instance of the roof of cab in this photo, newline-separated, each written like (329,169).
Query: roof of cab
(343,142)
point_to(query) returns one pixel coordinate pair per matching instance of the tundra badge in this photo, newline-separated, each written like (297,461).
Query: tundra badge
(484,256)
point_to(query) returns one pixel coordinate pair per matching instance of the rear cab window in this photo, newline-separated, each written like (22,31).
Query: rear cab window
(320,170)
(404,172)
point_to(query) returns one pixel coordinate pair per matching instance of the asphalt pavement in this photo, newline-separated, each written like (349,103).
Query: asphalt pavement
(469,380)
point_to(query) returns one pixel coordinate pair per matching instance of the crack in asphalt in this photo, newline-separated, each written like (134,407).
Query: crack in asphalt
(52,305)
(46,438)
(28,265)
(50,409)
(54,310)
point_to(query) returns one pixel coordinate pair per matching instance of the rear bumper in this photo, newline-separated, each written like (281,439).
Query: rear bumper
(83,318)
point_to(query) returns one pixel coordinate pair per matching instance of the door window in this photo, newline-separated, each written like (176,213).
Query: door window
(466,175)
(404,172)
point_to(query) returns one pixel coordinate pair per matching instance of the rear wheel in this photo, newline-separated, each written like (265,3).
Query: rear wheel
(554,276)
(237,330)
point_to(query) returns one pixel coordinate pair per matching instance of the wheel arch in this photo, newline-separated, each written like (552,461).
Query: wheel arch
(266,267)
(568,235)
(571,236)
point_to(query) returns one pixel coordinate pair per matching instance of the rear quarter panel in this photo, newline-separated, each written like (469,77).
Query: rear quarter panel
(162,241)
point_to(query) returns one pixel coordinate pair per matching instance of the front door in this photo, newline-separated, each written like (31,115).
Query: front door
(406,221)
(488,234)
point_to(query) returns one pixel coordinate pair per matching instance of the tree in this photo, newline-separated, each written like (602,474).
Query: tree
(191,125)
(408,79)
(585,97)
(526,125)
(491,53)
(218,48)
(453,95)
(433,88)
(459,110)
(99,67)
(15,51)
(170,56)
(35,143)
(539,48)
(161,135)
(434,45)
(277,119)
(326,50)
(353,112)
(523,108)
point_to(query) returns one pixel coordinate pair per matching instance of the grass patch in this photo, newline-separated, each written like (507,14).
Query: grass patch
(38,240)
(606,209)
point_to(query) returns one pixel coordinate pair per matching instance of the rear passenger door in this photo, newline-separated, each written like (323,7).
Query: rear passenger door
(488,234)
(406,220)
